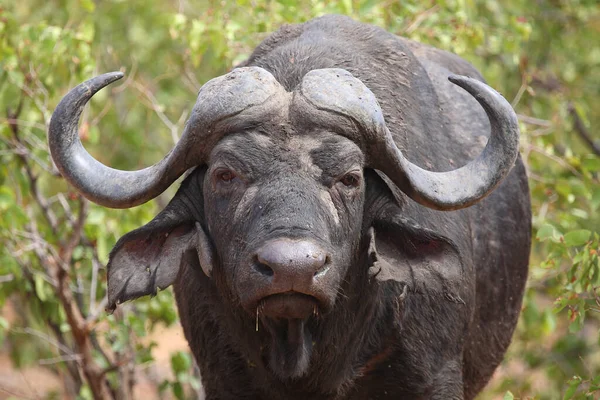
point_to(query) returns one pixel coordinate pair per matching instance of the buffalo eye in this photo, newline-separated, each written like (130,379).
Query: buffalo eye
(350,180)
(225,175)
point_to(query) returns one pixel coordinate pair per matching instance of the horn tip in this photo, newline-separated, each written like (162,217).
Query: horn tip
(110,77)
(93,85)
(458,79)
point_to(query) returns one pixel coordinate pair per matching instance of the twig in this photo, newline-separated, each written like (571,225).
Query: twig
(419,19)
(24,123)
(191,81)
(15,394)
(129,80)
(45,337)
(60,359)
(95,313)
(67,250)
(41,201)
(554,158)
(541,132)
(522,90)
(94,283)
(580,128)
(115,366)
(42,108)
(534,121)
(156,107)
(101,114)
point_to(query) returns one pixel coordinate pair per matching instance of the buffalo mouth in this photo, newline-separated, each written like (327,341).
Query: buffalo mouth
(286,316)
(290,305)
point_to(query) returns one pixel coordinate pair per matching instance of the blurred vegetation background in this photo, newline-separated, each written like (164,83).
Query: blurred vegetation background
(56,341)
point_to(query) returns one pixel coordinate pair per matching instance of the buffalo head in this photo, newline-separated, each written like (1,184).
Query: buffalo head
(274,207)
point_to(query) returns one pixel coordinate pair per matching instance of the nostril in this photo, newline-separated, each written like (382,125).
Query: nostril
(262,268)
(324,268)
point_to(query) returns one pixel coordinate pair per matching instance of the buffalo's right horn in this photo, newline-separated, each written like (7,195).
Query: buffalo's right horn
(249,93)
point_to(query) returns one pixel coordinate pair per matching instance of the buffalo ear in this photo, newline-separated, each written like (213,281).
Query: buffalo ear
(148,259)
(422,260)
(401,251)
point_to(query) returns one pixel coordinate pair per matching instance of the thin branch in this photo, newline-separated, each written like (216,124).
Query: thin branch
(60,359)
(541,132)
(99,349)
(45,260)
(26,249)
(580,128)
(101,114)
(39,84)
(40,200)
(94,284)
(418,20)
(554,158)
(95,313)
(67,250)
(129,80)
(534,121)
(36,142)
(15,394)
(522,90)
(24,123)
(60,197)
(157,108)
(191,82)
(30,386)
(42,108)
(46,338)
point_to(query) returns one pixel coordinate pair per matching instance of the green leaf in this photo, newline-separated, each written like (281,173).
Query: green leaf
(548,231)
(163,386)
(592,164)
(508,396)
(88,5)
(39,287)
(102,246)
(347,6)
(572,388)
(86,33)
(578,317)
(596,198)
(548,322)
(96,216)
(78,253)
(180,362)
(178,391)
(7,198)
(577,238)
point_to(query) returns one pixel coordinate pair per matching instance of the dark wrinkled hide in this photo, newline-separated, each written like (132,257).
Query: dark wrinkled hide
(417,304)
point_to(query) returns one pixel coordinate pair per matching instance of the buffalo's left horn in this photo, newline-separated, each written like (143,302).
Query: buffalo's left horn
(247,93)
(338,91)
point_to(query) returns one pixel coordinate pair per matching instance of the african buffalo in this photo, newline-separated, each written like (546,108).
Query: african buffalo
(310,258)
